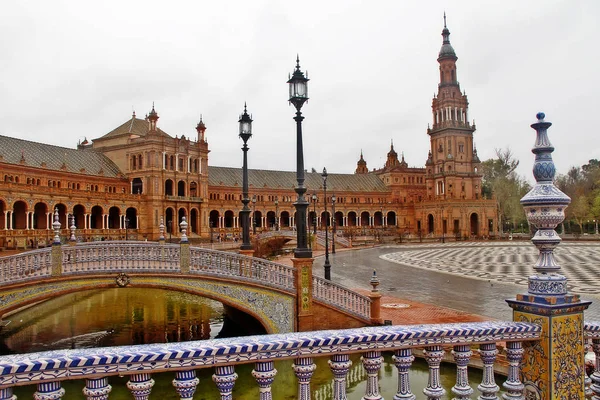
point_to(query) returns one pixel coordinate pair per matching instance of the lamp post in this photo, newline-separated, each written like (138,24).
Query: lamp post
(326,266)
(276,213)
(126,227)
(314,221)
(210,223)
(298,85)
(245,122)
(333,226)
(443,240)
(254,214)
(595,226)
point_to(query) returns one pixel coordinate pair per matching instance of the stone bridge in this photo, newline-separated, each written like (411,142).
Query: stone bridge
(290,234)
(270,292)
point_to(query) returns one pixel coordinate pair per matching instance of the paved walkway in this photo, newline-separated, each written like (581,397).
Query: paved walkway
(504,262)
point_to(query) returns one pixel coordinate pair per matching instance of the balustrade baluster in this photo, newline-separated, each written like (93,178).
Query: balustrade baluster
(140,386)
(488,387)
(462,354)
(372,361)
(433,356)
(185,383)
(403,360)
(7,394)
(264,372)
(513,384)
(49,391)
(304,369)
(96,389)
(224,378)
(340,365)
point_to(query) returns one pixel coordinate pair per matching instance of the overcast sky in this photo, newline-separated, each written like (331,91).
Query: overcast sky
(75,69)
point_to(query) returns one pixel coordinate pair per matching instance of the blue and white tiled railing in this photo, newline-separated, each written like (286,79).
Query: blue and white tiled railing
(47,370)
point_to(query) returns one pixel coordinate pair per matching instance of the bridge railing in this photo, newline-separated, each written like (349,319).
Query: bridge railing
(226,264)
(48,370)
(34,264)
(341,297)
(120,256)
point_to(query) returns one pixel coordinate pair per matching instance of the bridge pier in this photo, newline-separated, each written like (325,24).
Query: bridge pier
(304,297)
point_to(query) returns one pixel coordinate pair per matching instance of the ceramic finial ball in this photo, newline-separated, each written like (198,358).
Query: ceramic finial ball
(540,116)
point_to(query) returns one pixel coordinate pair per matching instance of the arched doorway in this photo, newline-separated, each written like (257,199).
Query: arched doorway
(180,214)
(228,219)
(351,218)
(181,188)
(40,218)
(325,219)
(113,218)
(193,220)
(169,216)
(79,213)
(131,215)
(137,186)
(193,189)
(168,187)
(96,218)
(258,219)
(364,219)
(391,218)
(19,219)
(62,215)
(378,217)
(430,223)
(271,221)
(2,218)
(339,218)
(213,219)
(474,225)
(285,219)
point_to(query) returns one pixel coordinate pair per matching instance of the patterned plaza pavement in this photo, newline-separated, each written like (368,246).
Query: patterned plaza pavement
(504,262)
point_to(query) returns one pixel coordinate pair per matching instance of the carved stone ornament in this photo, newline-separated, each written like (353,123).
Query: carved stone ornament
(122,280)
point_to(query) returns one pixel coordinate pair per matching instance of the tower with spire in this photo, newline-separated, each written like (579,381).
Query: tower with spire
(361,165)
(452,168)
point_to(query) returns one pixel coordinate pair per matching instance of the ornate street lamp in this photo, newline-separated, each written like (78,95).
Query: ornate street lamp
(298,85)
(326,266)
(276,213)
(126,227)
(254,214)
(245,133)
(333,227)
(314,221)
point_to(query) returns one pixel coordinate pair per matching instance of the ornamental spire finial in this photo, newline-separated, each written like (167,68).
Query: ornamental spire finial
(545,208)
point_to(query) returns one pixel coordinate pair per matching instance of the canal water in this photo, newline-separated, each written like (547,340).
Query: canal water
(123,316)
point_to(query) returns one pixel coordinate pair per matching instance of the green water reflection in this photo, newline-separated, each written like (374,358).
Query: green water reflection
(111,317)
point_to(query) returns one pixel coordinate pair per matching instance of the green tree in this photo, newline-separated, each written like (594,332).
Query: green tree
(500,181)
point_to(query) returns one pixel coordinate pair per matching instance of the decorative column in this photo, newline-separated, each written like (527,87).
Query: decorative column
(304,300)
(433,356)
(140,386)
(96,389)
(264,373)
(403,360)
(462,354)
(73,238)
(49,391)
(488,387)
(185,383)
(372,362)
(304,369)
(513,385)
(595,387)
(7,394)
(375,297)
(554,366)
(161,231)
(224,378)
(184,244)
(340,365)
(56,247)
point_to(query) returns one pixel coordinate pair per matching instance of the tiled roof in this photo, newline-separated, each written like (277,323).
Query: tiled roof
(133,126)
(87,162)
(260,178)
